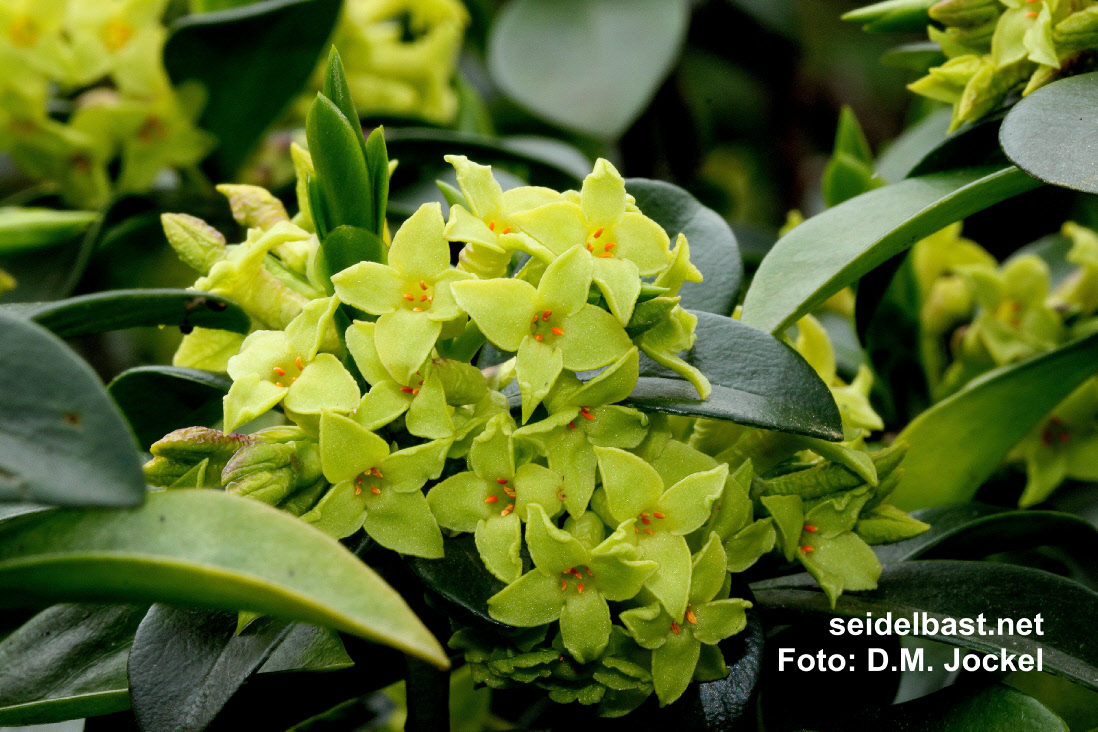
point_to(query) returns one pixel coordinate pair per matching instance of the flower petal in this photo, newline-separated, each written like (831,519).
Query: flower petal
(719,620)
(553,550)
(533,599)
(538,367)
(620,284)
(464,226)
(708,571)
(557,226)
(382,405)
(444,307)
(602,196)
(491,456)
(649,625)
(478,185)
(615,426)
(615,383)
(502,309)
(537,484)
(564,286)
(673,666)
(340,512)
(409,469)
(592,338)
(498,539)
(631,484)
(585,624)
(403,522)
(347,448)
(671,582)
(360,343)
(643,242)
(687,504)
(249,397)
(371,287)
(323,384)
(429,415)
(419,248)
(404,341)
(458,502)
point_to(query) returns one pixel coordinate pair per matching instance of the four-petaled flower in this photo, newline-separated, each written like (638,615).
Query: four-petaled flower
(635,491)
(377,490)
(622,243)
(677,643)
(552,327)
(582,416)
(283,366)
(572,583)
(411,293)
(494,497)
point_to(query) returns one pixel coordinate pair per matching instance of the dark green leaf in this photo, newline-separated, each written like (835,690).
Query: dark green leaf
(1051,134)
(208,549)
(117,309)
(966,590)
(976,144)
(186,664)
(377,166)
(340,162)
(893,16)
(849,172)
(975,530)
(67,662)
(347,245)
(460,580)
(713,247)
(757,380)
(336,89)
(904,153)
(973,430)
(24,229)
(308,648)
(62,439)
(159,399)
(962,709)
(918,57)
(589,65)
(835,248)
(540,158)
(253,61)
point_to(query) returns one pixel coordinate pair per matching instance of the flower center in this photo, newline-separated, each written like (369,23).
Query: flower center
(600,246)
(152,130)
(1055,431)
(116,34)
(545,328)
(24,31)
(1010,311)
(370,480)
(418,296)
(582,578)
(286,372)
(503,494)
(645,518)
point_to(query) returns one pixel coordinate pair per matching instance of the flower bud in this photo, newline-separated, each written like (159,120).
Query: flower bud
(270,471)
(462,382)
(177,452)
(965,13)
(198,244)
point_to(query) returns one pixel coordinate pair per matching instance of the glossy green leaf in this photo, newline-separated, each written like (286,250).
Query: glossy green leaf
(588,65)
(308,648)
(62,440)
(159,399)
(230,53)
(713,247)
(459,579)
(757,380)
(918,57)
(849,172)
(336,89)
(904,153)
(209,549)
(543,161)
(340,163)
(963,708)
(67,662)
(946,588)
(25,229)
(893,16)
(975,144)
(117,309)
(1050,134)
(186,664)
(833,249)
(346,245)
(976,530)
(377,166)
(957,443)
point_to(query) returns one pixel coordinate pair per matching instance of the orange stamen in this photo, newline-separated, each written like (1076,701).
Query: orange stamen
(558,331)
(564,584)
(598,232)
(507,230)
(492,225)
(590,247)
(810,528)
(1031,13)
(657,514)
(588,570)
(491,499)
(417,310)
(297,362)
(510,492)
(572,425)
(539,337)
(649,531)
(407,390)
(358,490)
(376,473)
(575,573)
(546,314)
(375,490)
(675,628)
(806,549)
(645,520)
(280,372)
(422,285)
(605,255)
(279,384)
(609,246)
(691,617)
(409,296)
(586,414)
(579,587)
(423,298)
(501,481)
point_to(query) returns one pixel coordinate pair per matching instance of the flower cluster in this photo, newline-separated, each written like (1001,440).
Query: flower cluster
(995,48)
(611,533)
(978,315)
(399,57)
(100,62)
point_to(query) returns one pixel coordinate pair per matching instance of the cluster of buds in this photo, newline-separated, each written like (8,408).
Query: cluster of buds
(102,60)
(997,48)
(978,315)
(610,533)
(400,57)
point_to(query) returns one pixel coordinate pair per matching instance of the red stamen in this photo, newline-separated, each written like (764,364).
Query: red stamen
(588,570)
(645,520)
(579,587)
(575,573)
(572,425)
(675,628)
(586,414)
(807,549)
(501,481)
(810,528)
(407,390)
(564,584)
